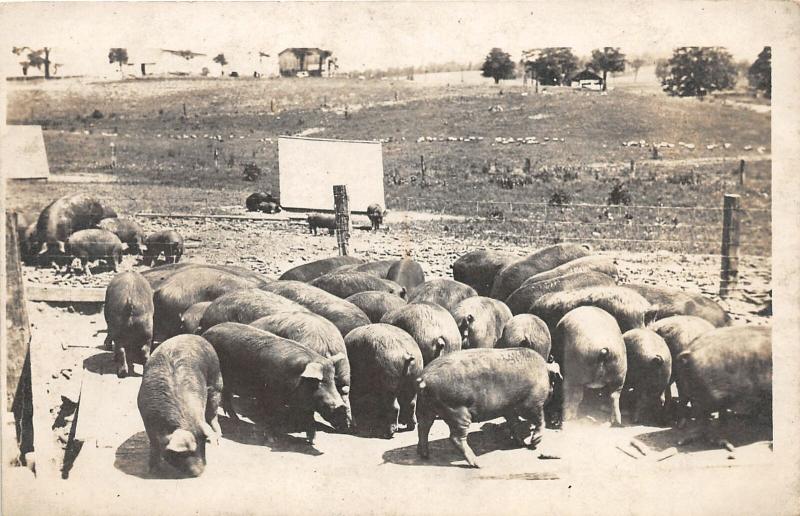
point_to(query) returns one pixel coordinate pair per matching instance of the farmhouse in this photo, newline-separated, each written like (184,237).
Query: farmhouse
(586,79)
(302,59)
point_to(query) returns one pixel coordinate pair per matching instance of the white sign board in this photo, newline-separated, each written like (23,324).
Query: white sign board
(309,167)
(22,152)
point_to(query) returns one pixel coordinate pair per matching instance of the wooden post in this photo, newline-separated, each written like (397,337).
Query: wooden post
(17,365)
(729,270)
(216,158)
(395,96)
(184,110)
(527,167)
(741,172)
(113,155)
(341,207)
(272,105)
(633,169)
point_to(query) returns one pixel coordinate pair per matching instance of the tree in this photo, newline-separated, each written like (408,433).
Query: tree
(760,73)
(699,70)
(36,59)
(498,65)
(550,65)
(662,69)
(119,56)
(221,61)
(610,59)
(636,63)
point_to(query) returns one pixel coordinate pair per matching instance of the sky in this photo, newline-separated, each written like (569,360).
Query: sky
(386,34)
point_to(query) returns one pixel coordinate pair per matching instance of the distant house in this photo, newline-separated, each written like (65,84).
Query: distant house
(313,61)
(585,79)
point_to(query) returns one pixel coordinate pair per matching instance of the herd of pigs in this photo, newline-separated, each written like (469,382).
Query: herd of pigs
(375,346)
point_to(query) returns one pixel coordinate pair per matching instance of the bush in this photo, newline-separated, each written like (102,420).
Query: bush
(619,195)
(251,172)
(689,178)
(559,197)
(97,114)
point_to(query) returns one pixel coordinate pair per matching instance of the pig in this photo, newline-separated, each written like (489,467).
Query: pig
(128,311)
(128,231)
(378,268)
(65,216)
(679,331)
(29,245)
(384,362)
(286,377)
(648,374)
(255,199)
(481,384)
(672,301)
(319,334)
(627,307)
(588,346)
(432,327)
(479,268)
(345,284)
(321,220)
(520,300)
(188,286)
(312,270)
(160,274)
(269,207)
(591,263)
(191,317)
(168,242)
(481,321)
(510,277)
(92,244)
(344,315)
(376,214)
(526,331)
(443,292)
(178,401)
(376,304)
(729,368)
(245,306)
(407,273)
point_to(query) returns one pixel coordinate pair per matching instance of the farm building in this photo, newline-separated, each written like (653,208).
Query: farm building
(585,79)
(313,61)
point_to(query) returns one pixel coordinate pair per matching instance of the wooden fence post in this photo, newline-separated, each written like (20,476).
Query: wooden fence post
(741,172)
(633,169)
(729,270)
(113,155)
(341,207)
(527,167)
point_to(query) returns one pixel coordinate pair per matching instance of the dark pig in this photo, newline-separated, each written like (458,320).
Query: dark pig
(649,371)
(521,299)
(443,292)
(345,284)
(479,268)
(344,315)
(510,277)
(286,377)
(178,401)
(378,268)
(729,368)
(672,301)
(319,334)
(158,275)
(92,244)
(376,304)
(128,231)
(481,321)
(255,199)
(245,306)
(191,317)
(591,263)
(479,385)
(526,331)
(168,242)
(432,327)
(67,215)
(384,361)
(269,207)
(625,305)
(407,273)
(29,244)
(189,286)
(128,311)
(376,214)
(312,270)
(321,220)
(588,345)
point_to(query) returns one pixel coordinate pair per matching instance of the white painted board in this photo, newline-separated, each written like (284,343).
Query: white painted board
(309,167)
(22,152)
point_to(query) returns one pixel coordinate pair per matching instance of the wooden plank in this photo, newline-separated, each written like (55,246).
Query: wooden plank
(729,273)
(195,216)
(17,324)
(54,293)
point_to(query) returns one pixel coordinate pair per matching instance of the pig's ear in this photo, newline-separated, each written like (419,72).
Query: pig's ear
(337,357)
(470,318)
(181,441)
(313,370)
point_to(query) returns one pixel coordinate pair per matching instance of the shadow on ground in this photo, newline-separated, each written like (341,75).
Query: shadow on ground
(443,453)
(101,363)
(739,431)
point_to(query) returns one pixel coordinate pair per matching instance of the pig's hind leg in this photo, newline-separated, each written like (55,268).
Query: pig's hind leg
(227,405)
(519,429)
(459,419)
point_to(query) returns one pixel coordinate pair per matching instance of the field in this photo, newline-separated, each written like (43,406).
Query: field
(474,138)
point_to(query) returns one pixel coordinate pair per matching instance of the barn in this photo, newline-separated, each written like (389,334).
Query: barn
(313,61)
(585,79)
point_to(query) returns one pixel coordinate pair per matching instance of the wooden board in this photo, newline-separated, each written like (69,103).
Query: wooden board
(195,216)
(57,294)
